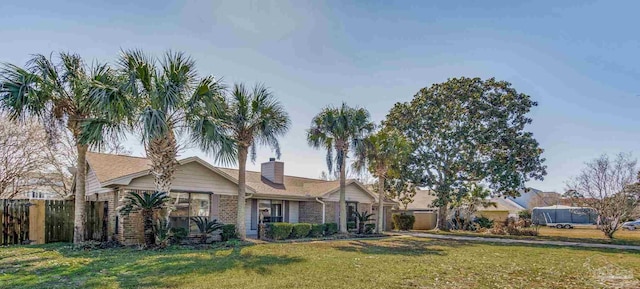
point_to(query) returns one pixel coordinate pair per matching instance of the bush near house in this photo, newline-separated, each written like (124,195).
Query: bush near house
(369,228)
(403,222)
(351,225)
(228,232)
(330,229)
(484,222)
(279,231)
(317,230)
(300,230)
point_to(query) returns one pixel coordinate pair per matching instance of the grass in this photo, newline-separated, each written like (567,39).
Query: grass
(583,234)
(397,262)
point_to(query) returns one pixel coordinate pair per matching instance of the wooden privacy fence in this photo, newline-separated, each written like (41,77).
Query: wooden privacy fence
(14,220)
(46,221)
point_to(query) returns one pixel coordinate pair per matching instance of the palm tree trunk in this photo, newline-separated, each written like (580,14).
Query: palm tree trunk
(343,201)
(242,191)
(79,214)
(381,180)
(163,153)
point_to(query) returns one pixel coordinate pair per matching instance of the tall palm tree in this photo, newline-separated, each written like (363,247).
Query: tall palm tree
(254,117)
(340,129)
(383,154)
(169,98)
(59,96)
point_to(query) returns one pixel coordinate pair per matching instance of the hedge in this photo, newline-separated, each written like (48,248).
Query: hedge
(300,230)
(279,231)
(403,221)
(228,232)
(330,229)
(317,230)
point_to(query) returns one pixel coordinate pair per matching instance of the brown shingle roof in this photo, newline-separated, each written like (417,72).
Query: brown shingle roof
(110,166)
(293,186)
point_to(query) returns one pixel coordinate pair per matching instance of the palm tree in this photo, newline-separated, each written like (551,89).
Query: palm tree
(59,95)
(383,154)
(362,219)
(253,117)
(340,129)
(145,203)
(206,227)
(171,98)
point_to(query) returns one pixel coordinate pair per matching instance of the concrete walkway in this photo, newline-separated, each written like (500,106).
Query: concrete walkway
(519,241)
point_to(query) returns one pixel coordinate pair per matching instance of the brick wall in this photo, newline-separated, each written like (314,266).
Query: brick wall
(333,212)
(310,212)
(228,209)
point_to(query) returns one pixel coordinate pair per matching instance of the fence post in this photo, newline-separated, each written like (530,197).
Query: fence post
(36,222)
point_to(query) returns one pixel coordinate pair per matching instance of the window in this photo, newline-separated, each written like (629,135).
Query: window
(270,211)
(186,206)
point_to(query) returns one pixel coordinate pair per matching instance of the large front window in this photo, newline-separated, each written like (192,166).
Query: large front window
(270,211)
(188,205)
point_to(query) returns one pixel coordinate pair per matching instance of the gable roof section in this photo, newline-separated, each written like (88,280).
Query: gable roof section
(109,166)
(120,170)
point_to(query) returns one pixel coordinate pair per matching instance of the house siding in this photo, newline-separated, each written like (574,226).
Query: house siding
(92,184)
(192,177)
(353,193)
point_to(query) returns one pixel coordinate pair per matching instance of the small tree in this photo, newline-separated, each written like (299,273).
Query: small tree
(206,227)
(145,203)
(608,186)
(362,219)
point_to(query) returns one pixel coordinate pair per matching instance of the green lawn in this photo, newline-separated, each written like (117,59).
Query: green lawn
(398,262)
(589,234)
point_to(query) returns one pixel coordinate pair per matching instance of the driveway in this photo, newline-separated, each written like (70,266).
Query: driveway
(518,241)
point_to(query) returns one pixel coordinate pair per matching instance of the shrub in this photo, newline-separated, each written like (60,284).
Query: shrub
(178,234)
(229,232)
(498,229)
(300,230)
(403,221)
(317,230)
(526,214)
(484,222)
(330,229)
(351,225)
(369,228)
(279,231)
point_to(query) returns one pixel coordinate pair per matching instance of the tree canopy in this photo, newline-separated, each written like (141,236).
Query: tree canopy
(469,130)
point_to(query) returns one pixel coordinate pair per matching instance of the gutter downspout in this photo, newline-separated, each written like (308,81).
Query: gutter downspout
(323,208)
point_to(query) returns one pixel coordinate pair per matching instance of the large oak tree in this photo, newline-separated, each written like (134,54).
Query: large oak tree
(469,130)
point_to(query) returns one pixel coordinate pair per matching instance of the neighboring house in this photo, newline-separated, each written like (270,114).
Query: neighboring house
(426,213)
(47,186)
(200,189)
(535,198)
(503,209)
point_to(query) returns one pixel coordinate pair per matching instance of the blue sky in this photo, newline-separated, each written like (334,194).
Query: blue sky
(578,59)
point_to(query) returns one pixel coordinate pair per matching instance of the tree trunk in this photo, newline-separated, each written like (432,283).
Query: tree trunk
(442,218)
(79,214)
(380,224)
(149,236)
(343,201)
(242,191)
(163,153)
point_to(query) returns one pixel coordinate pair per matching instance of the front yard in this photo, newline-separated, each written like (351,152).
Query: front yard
(398,262)
(588,234)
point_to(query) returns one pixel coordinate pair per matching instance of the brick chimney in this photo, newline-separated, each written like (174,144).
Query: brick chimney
(273,171)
